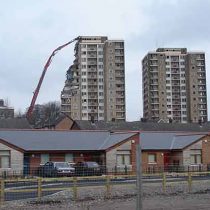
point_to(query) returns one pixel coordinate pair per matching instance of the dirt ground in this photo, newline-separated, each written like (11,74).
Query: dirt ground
(178,202)
(176,197)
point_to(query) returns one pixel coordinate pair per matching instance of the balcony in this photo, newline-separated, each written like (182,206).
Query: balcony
(119,46)
(119,102)
(93,96)
(91,55)
(92,63)
(92,49)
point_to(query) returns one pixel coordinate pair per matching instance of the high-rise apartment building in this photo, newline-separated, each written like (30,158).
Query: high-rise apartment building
(95,83)
(174,85)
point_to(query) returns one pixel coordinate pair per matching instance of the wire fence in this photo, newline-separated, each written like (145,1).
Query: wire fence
(106,186)
(98,170)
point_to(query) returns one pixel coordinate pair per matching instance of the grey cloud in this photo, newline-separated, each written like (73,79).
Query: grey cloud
(30,30)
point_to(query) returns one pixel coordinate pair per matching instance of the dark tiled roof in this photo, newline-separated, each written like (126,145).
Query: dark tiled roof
(41,140)
(167,141)
(50,123)
(14,123)
(143,126)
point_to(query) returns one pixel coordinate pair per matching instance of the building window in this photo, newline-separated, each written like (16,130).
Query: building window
(123,158)
(195,156)
(5,159)
(101,114)
(45,158)
(69,157)
(152,158)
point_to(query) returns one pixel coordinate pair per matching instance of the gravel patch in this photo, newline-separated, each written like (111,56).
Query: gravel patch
(123,197)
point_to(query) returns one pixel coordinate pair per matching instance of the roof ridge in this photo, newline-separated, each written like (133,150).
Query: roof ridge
(173,141)
(105,141)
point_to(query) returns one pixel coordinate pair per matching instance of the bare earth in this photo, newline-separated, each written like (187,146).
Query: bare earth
(123,198)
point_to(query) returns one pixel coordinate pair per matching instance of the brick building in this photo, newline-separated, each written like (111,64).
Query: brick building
(169,151)
(174,85)
(27,149)
(5,111)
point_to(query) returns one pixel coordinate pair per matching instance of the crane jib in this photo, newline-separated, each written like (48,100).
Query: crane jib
(49,60)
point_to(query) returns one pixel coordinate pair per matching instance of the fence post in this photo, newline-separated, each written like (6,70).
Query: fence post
(139,205)
(39,189)
(2,191)
(189,181)
(75,188)
(164,182)
(126,170)
(108,187)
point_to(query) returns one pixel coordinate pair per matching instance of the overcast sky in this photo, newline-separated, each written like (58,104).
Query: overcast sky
(30,30)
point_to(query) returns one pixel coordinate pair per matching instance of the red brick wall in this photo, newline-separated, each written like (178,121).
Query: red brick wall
(57,157)
(206,150)
(64,124)
(159,159)
(34,162)
(133,150)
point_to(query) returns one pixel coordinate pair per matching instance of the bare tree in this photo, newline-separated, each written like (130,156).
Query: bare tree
(45,114)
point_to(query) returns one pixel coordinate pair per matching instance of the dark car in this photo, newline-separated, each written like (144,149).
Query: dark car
(88,168)
(53,169)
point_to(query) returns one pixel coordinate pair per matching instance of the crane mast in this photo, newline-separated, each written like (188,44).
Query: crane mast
(47,64)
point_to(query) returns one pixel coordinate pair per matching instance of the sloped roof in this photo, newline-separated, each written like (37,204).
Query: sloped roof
(15,123)
(182,141)
(167,141)
(143,126)
(156,141)
(45,140)
(46,123)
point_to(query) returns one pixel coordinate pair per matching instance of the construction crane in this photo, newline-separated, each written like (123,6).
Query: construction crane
(36,92)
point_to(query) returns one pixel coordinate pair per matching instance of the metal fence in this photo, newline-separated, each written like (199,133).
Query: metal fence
(103,170)
(105,185)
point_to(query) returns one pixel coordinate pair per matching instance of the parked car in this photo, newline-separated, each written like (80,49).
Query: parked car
(53,169)
(88,168)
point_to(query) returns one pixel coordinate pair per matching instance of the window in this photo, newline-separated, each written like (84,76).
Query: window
(195,156)
(5,159)
(101,114)
(152,158)
(123,158)
(100,46)
(69,157)
(44,158)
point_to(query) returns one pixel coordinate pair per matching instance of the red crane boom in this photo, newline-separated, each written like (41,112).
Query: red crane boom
(36,92)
